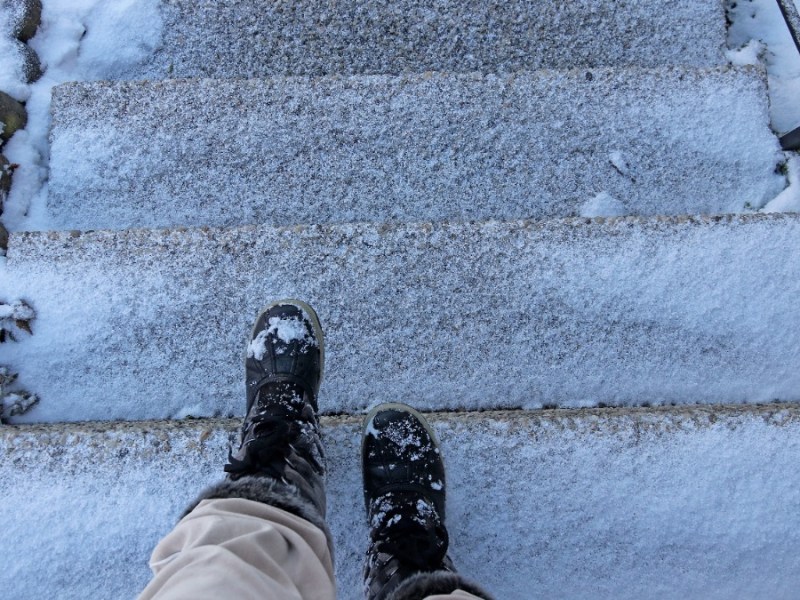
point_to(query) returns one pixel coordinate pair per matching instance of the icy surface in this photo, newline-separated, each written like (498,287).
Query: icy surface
(423,147)
(658,503)
(443,316)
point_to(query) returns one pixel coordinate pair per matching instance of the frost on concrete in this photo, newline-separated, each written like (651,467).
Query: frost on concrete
(418,147)
(622,504)
(474,316)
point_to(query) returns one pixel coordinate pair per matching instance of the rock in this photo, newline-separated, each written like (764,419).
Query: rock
(5,188)
(31,65)
(25,17)
(12,116)
(5,180)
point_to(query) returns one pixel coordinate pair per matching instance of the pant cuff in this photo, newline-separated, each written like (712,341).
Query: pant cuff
(422,585)
(269,491)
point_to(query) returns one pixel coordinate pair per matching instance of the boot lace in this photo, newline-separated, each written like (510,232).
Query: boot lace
(270,440)
(413,533)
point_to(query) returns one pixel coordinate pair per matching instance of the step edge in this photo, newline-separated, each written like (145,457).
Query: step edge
(778,412)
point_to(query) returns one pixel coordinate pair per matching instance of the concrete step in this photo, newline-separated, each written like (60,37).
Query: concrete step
(644,503)
(422,147)
(576,312)
(245,38)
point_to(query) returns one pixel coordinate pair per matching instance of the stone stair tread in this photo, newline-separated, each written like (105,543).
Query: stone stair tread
(698,502)
(422,147)
(153,323)
(236,38)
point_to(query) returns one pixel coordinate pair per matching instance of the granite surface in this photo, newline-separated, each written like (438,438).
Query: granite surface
(623,504)
(231,38)
(477,316)
(412,148)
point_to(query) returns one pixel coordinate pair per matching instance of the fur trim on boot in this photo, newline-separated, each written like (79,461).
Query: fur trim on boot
(422,585)
(267,491)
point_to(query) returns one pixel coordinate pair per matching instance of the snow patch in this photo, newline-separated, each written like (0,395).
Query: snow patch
(17,311)
(789,199)
(749,54)
(758,30)
(285,330)
(77,40)
(603,205)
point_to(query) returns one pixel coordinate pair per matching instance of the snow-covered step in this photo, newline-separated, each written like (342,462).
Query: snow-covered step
(153,324)
(247,38)
(623,504)
(421,147)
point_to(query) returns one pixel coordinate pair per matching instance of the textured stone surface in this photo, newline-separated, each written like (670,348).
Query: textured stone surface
(25,17)
(423,147)
(231,38)
(30,63)
(622,504)
(445,316)
(12,116)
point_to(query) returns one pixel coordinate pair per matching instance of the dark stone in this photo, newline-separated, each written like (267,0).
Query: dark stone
(26,15)
(5,182)
(3,237)
(31,65)
(12,116)
(5,179)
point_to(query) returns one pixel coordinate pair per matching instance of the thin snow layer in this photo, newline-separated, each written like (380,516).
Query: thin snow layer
(411,148)
(77,40)
(140,324)
(235,38)
(758,32)
(622,504)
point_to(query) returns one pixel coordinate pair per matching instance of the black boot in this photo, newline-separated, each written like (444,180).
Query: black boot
(404,493)
(280,460)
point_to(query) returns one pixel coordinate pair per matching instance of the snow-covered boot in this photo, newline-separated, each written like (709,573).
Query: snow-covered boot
(404,493)
(280,460)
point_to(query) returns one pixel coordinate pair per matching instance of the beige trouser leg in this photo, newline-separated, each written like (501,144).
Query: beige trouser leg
(235,548)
